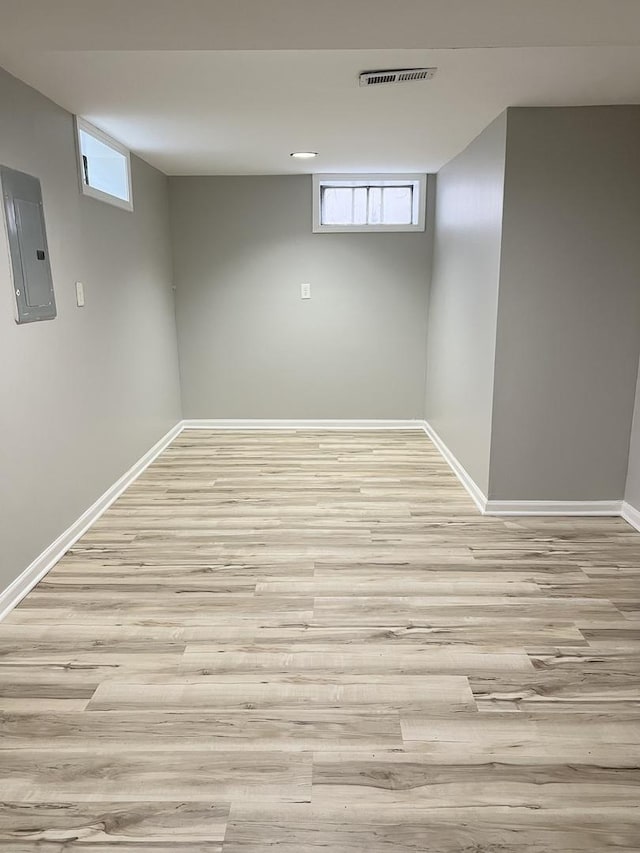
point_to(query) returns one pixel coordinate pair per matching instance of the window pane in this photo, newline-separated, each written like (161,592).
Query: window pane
(360,206)
(104,168)
(397,205)
(375,206)
(337,206)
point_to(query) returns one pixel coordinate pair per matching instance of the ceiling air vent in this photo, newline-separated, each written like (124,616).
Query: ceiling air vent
(395,75)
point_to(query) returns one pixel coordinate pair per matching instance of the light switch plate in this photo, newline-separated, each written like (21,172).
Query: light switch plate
(80,294)
(305,290)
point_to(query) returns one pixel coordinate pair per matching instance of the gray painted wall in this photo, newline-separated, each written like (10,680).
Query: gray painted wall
(568,334)
(464,298)
(251,348)
(632,492)
(99,383)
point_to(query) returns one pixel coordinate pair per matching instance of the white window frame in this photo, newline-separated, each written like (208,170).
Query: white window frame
(419,182)
(92,192)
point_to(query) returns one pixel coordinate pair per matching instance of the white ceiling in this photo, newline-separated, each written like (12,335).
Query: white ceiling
(314,24)
(241,111)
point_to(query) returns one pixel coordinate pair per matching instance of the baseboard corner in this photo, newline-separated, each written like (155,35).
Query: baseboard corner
(474,491)
(631,515)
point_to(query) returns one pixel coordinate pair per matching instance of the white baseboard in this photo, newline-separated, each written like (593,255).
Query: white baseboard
(557,508)
(286,423)
(553,507)
(631,515)
(34,573)
(25,582)
(465,478)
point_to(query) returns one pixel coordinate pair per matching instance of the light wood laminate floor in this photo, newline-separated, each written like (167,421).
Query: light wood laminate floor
(311,641)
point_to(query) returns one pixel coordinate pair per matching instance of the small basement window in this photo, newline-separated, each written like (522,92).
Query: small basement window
(105,166)
(368,203)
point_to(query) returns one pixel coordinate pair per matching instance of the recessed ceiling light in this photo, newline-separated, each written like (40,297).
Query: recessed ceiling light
(304,155)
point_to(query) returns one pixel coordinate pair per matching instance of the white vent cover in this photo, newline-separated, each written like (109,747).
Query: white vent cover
(395,75)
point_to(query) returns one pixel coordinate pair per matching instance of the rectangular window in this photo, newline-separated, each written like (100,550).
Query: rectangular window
(368,203)
(105,166)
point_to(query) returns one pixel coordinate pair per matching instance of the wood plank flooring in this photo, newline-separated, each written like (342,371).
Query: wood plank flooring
(311,641)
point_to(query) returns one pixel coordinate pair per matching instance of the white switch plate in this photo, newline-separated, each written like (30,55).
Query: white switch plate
(80,294)
(305,290)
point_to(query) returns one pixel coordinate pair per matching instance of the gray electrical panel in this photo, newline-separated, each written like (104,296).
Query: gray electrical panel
(24,216)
